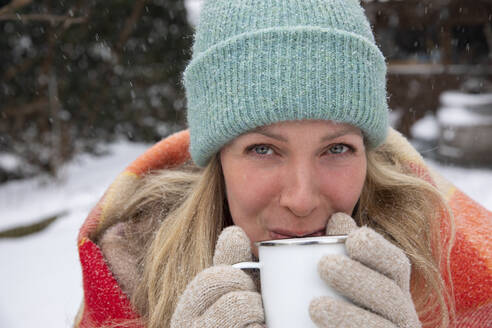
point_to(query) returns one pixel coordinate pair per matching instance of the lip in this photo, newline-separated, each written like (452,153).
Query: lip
(284,234)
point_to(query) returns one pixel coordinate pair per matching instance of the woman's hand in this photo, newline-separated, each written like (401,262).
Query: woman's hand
(375,277)
(222,296)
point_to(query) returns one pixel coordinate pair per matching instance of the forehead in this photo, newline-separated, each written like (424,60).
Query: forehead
(308,130)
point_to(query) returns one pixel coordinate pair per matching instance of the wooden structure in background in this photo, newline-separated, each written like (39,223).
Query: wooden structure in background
(432,46)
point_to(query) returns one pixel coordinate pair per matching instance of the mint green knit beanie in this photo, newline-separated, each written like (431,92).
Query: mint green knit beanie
(257,62)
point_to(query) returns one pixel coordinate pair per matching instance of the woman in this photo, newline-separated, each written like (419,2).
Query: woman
(288,136)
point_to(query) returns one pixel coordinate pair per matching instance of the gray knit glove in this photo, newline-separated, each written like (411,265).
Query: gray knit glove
(222,296)
(375,278)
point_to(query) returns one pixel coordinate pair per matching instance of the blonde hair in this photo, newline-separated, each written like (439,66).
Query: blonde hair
(410,212)
(189,210)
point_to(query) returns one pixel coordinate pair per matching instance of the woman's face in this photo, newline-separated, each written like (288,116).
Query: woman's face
(285,180)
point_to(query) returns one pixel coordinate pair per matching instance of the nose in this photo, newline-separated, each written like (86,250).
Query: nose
(300,192)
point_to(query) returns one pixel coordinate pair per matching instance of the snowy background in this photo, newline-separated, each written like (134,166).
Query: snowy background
(40,276)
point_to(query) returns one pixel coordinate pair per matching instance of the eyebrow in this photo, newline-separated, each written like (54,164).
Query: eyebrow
(262,130)
(344,131)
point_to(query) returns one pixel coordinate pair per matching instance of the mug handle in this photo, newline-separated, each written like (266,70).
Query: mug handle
(247,265)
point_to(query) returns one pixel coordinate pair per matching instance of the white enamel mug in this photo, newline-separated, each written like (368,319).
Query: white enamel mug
(289,277)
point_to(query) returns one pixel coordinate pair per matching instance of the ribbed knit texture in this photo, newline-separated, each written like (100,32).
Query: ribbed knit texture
(259,62)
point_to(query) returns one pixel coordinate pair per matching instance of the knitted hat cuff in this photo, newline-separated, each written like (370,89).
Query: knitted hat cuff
(281,74)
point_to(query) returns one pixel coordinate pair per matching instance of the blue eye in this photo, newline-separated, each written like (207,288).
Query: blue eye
(338,149)
(262,149)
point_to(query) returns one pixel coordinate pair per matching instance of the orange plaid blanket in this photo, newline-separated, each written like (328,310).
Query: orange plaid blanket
(471,258)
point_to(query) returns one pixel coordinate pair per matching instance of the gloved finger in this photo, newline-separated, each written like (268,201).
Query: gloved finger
(205,289)
(368,288)
(233,246)
(340,224)
(327,313)
(235,309)
(370,248)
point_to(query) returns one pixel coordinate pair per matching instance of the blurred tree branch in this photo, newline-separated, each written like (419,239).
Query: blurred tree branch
(488,35)
(13,6)
(26,109)
(14,70)
(19,114)
(74,73)
(53,19)
(130,24)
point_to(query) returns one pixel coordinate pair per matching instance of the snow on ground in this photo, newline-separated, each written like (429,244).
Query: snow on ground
(460,99)
(426,128)
(463,109)
(473,182)
(461,116)
(40,275)
(81,183)
(193,8)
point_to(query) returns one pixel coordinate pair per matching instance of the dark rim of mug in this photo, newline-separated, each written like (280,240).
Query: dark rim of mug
(304,241)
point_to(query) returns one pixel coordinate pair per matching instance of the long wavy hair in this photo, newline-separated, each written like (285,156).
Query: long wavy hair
(187,209)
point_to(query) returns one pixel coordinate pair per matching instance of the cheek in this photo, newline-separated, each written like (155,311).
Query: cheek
(343,186)
(249,196)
